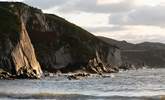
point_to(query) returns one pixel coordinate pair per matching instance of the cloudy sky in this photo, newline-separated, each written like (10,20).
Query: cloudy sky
(132,20)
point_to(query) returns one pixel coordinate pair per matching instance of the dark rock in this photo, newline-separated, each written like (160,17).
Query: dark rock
(25,73)
(78,76)
(4,74)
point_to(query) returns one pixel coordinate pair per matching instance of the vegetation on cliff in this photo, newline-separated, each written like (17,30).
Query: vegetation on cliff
(59,45)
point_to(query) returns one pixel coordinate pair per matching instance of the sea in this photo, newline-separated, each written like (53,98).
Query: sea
(142,84)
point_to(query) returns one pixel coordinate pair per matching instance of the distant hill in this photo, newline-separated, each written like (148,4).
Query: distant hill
(147,53)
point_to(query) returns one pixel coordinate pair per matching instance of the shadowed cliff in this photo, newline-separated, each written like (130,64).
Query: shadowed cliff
(59,45)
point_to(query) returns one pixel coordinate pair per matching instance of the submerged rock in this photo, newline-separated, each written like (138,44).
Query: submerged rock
(4,74)
(78,76)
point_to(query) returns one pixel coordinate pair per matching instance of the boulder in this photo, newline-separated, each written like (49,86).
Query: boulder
(78,76)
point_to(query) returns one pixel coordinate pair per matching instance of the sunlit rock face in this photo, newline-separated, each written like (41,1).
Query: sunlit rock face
(23,55)
(17,54)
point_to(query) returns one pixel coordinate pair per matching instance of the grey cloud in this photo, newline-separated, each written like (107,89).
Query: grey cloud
(105,29)
(134,38)
(92,6)
(146,15)
(45,4)
(153,38)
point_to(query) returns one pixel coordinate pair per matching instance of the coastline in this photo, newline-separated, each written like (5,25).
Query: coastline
(126,85)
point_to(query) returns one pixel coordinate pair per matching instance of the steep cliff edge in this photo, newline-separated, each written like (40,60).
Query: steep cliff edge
(63,46)
(16,51)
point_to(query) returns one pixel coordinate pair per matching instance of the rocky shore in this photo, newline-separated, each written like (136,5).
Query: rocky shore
(23,74)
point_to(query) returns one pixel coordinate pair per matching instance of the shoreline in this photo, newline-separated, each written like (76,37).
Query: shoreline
(70,75)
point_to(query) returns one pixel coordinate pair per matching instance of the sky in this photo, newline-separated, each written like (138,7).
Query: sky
(132,20)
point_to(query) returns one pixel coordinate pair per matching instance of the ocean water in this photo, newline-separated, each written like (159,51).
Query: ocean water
(143,84)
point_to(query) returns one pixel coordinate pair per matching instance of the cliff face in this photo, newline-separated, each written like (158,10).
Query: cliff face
(140,55)
(67,47)
(16,51)
(59,44)
(23,55)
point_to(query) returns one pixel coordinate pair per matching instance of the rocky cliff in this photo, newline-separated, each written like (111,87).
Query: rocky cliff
(17,54)
(67,46)
(59,45)
(138,55)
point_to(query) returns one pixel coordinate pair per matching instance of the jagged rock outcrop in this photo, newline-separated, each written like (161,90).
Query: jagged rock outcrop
(61,45)
(23,56)
(17,54)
